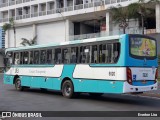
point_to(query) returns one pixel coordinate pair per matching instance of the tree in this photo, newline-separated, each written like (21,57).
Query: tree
(120,15)
(10,25)
(28,42)
(140,10)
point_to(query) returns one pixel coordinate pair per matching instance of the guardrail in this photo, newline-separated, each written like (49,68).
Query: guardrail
(13,2)
(42,13)
(66,9)
(102,34)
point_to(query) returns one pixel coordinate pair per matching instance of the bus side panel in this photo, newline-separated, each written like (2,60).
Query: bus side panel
(110,86)
(98,86)
(123,41)
(36,82)
(8,79)
(68,71)
(53,83)
(26,81)
(41,82)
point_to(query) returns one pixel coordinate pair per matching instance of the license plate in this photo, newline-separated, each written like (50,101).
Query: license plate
(145,74)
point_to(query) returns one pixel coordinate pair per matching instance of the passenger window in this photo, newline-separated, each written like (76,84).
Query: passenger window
(66,55)
(74,55)
(36,57)
(9,61)
(53,56)
(21,57)
(116,52)
(103,53)
(31,57)
(58,56)
(16,58)
(43,57)
(25,57)
(49,56)
(109,53)
(94,55)
(85,54)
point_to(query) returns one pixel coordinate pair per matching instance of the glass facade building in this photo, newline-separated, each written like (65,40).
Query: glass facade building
(2,38)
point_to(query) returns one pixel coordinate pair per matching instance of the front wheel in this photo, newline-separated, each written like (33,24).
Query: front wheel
(18,85)
(68,89)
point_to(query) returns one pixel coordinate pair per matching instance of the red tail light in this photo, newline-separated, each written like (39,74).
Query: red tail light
(156,76)
(129,76)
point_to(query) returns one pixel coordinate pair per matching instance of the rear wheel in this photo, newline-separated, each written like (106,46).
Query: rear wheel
(67,89)
(18,85)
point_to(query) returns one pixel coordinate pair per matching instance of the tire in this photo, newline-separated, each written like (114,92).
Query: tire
(18,85)
(95,94)
(67,89)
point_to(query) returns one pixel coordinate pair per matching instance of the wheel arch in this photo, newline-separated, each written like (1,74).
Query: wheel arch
(15,77)
(64,79)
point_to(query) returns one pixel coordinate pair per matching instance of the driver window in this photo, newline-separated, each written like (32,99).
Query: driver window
(9,57)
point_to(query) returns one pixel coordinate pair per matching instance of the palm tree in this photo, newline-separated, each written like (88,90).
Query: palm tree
(140,10)
(10,25)
(28,42)
(120,15)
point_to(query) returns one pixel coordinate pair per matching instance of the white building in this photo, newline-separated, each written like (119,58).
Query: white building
(63,20)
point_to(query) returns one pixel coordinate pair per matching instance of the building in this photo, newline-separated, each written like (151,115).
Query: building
(2,45)
(62,20)
(2,39)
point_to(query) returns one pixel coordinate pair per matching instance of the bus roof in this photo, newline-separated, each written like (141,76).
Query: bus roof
(65,43)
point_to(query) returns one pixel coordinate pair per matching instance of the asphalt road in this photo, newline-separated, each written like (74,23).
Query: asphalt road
(36,100)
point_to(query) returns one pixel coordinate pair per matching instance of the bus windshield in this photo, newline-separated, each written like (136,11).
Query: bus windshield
(142,47)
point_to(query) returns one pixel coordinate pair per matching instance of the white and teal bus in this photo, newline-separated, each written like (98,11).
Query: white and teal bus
(114,64)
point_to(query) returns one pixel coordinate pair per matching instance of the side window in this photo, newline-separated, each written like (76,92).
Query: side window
(66,55)
(53,56)
(116,52)
(49,56)
(16,58)
(58,56)
(9,61)
(43,57)
(84,54)
(94,55)
(103,53)
(25,57)
(74,55)
(21,57)
(36,57)
(109,53)
(31,57)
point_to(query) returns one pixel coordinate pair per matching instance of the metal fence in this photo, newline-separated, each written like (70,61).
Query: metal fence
(60,10)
